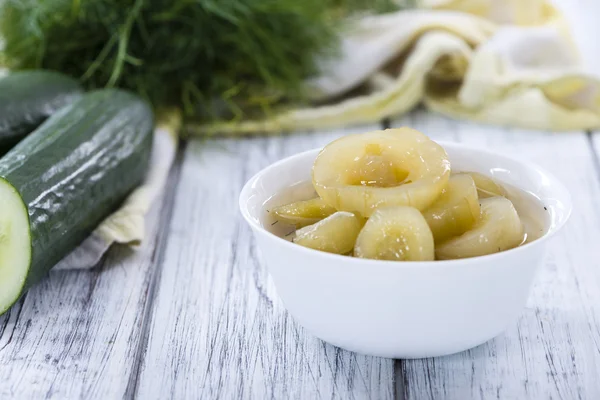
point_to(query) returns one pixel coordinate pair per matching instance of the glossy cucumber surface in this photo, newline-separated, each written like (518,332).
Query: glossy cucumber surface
(69,174)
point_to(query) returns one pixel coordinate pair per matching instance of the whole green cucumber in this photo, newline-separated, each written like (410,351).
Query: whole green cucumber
(62,180)
(28,98)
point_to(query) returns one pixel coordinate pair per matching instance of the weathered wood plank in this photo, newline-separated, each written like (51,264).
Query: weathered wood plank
(78,333)
(553,350)
(218,329)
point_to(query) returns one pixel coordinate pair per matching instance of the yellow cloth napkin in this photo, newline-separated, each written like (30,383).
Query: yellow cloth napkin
(483,60)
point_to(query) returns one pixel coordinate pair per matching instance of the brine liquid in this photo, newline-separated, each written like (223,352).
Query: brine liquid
(298,192)
(532,213)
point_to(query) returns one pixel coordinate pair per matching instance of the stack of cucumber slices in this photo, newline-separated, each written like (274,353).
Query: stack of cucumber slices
(71,160)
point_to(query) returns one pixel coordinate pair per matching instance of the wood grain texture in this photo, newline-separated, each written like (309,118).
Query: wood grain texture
(213,326)
(218,329)
(553,350)
(77,335)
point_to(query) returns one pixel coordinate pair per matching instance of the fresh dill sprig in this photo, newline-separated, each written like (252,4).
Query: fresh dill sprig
(212,58)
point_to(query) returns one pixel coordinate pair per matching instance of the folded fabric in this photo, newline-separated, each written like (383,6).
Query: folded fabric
(127,225)
(482,60)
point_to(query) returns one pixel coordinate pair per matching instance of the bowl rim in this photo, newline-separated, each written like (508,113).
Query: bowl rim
(568,203)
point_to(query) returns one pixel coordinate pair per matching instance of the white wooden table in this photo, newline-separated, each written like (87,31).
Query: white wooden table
(194,314)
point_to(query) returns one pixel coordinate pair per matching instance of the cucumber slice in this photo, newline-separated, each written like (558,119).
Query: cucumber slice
(15,245)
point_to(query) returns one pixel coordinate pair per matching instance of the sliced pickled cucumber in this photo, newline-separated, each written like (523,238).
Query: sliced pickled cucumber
(486,186)
(303,213)
(396,167)
(455,211)
(396,233)
(499,228)
(335,234)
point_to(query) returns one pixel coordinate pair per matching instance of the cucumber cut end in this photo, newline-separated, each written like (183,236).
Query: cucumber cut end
(15,245)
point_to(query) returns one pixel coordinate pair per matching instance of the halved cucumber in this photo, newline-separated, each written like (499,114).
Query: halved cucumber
(63,179)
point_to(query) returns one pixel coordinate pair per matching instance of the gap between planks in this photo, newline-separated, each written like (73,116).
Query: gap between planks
(594,143)
(157,265)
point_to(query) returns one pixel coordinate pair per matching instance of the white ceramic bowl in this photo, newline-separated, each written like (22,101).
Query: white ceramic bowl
(405,309)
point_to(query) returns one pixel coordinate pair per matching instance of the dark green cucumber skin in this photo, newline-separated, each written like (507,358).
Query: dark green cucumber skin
(28,98)
(76,169)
